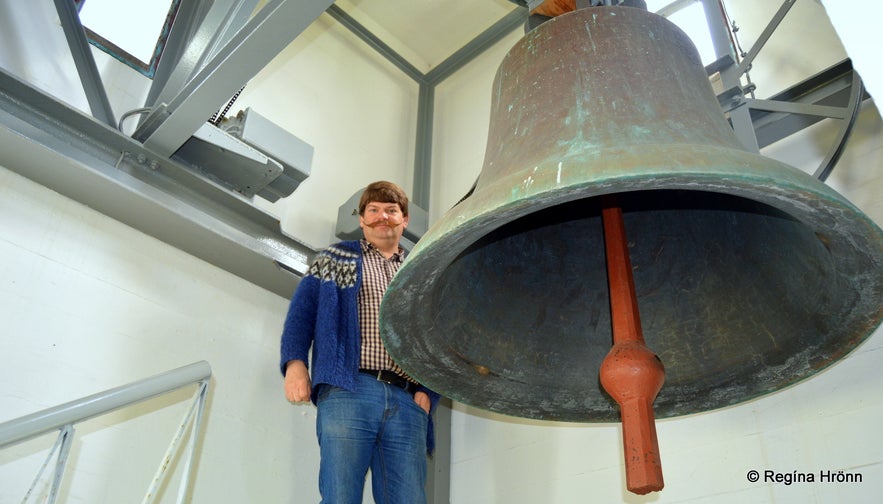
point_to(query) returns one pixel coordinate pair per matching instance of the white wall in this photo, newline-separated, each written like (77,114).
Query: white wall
(855,23)
(89,304)
(829,422)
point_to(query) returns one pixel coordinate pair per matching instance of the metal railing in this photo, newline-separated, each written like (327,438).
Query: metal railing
(63,417)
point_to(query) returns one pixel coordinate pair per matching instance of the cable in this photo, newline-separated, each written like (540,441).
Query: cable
(217,118)
(130,113)
(734,39)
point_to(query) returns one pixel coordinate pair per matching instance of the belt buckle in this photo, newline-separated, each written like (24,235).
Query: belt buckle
(381,378)
(390,378)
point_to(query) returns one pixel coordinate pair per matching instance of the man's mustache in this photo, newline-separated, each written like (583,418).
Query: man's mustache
(379,223)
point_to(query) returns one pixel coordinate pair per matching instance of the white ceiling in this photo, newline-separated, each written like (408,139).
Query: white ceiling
(426,32)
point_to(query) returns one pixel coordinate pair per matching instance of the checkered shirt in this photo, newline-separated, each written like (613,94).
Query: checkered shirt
(377,273)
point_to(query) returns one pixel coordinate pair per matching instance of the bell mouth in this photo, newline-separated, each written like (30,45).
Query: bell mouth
(737,297)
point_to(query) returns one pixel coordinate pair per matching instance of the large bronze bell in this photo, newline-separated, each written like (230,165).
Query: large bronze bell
(749,275)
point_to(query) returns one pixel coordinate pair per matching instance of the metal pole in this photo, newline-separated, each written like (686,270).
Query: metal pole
(41,422)
(67,438)
(164,464)
(85,63)
(740,116)
(184,489)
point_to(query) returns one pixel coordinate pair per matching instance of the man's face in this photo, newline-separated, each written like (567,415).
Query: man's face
(382,221)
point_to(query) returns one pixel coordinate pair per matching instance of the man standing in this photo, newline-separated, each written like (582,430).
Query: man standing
(370,413)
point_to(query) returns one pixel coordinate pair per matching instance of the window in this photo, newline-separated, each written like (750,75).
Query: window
(690,18)
(132,31)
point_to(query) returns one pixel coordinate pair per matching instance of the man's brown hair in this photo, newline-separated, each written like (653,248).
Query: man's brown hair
(384,192)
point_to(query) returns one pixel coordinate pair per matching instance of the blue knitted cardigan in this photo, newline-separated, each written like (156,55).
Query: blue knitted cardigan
(323,313)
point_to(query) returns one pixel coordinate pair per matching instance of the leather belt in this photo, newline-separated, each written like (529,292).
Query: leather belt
(391,378)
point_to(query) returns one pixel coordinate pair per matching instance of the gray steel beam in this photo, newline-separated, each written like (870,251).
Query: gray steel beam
(235,17)
(85,63)
(423,145)
(426,98)
(200,29)
(674,7)
(798,108)
(746,62)
(425,106)
(438,471)
(375,43)
(59,147)
(829,88)
(506,25)
(740,116)
(184,49)
(251,49)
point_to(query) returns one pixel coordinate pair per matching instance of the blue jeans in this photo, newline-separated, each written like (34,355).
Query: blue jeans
(379,426)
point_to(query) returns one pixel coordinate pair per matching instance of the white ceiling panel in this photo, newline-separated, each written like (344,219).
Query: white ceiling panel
(426,32)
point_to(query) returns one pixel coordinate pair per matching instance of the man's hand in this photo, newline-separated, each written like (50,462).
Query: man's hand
(297,382)
(422,400)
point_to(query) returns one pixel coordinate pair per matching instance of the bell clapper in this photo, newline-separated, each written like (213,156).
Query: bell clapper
(631,373)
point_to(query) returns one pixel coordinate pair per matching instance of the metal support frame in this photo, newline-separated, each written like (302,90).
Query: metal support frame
(85,63)
(264,36)
(62,446)
(675,6)
(197,408)
(374,42)
(65,416)
(740,116)
(60,148)
(484,40)
(197,33)
(834,93)
(811,102)
(423,145)
(746,62)
(141,184)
